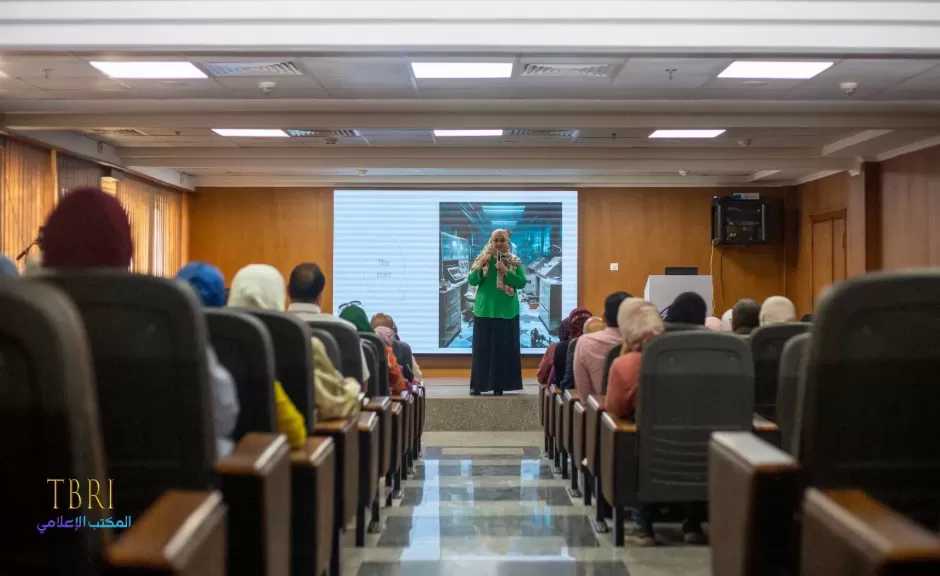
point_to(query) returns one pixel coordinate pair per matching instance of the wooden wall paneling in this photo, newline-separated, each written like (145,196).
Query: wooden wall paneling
(910,210)
(233,227)
(27,194)
(838,249)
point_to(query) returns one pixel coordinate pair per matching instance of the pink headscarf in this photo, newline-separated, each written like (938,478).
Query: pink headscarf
(386,334)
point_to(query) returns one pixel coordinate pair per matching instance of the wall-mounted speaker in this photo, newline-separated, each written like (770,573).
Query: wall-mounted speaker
(744,221)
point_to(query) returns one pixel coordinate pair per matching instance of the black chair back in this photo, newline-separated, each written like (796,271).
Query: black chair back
(371,386)
(244,347)
(331,346)
(692,383)
(869,416)
(567,379)
(349,348)
(49,420)
(790,381)
(608,361)
(766,346)
(380,388)
(293,359)
(681,327)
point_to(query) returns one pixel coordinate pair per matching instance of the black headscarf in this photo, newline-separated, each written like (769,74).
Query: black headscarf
(687,308)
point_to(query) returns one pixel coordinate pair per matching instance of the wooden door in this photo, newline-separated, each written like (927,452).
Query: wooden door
(828,244)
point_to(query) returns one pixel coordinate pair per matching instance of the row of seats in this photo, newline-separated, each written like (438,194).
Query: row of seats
(105,376)
(814,447)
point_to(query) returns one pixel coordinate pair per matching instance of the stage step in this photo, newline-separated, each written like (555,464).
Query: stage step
(450,407)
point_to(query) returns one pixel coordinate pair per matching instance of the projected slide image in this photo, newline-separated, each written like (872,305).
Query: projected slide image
(536,229)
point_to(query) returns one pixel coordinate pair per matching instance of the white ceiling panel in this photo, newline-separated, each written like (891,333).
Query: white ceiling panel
(362,77)
(286,87)
(668,74)
(872,76)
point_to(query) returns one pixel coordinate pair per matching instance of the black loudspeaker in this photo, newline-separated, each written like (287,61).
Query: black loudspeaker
(740,221)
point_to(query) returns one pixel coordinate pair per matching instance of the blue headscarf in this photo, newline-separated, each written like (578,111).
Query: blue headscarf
(7,267)
(207,281)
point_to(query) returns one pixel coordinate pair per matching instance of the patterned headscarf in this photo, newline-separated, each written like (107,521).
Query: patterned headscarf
(258,286)
(386,334)
(576,319)
(512,261)
(88,228)
(206,280)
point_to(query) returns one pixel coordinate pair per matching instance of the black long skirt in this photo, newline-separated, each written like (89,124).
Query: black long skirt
(497,366)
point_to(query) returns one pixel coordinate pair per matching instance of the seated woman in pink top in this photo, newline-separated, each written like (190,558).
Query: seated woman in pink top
(638,321)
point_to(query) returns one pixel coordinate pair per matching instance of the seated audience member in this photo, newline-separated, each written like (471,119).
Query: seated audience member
(590,355)
(726,320)
(306,293)
(547,362)
(396,380)
(713,323)
(687,308)
(639,322)
(353,313)
(776,310)
(8,268)
(89,229)
(746,316)
(807,317)
(594,324)
(207,281)
(261,286)
(406,358)
(560,368)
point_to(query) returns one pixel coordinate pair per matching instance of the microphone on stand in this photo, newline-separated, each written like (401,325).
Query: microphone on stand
(36,242)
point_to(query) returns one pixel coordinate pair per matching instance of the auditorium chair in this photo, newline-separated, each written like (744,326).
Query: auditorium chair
(692,383)
(594,410)
(243,345)
(548,426)
(612,355)
(579,460)
(331,346)
(792,365)
(148,342)
(570,399)
(682,327)
(381,382)
(293,367)
(863,492)
(766,346)
(49,416)
(558,411)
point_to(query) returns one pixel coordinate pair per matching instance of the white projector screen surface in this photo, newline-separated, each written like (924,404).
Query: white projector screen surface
(407,253)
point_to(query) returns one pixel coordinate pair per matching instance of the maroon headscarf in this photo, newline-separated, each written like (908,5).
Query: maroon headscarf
(87,229)
(576,320)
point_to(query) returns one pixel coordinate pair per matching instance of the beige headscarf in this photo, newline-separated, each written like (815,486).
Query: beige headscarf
(258,286)
(638,321)
(512,261)
(777,309)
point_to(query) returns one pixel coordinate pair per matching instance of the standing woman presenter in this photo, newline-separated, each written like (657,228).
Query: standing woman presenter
(498,273)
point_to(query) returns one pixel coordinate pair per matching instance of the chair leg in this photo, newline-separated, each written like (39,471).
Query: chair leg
(618,526)
(556,457)
(588,487)
(361,526)
(389,483)
(564,465)
(575,493)
(600,508)
(335,560)
(397,483)
(375,522)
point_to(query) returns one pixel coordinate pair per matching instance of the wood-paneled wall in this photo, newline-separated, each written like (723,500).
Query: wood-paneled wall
(27,193)
(233,227)
(910,210)
(645,230)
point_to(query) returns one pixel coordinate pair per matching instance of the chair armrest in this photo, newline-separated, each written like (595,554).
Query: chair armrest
(846,532)
(255,481)
(753,492)
(618,460)
(377,404)
(766,430)
(592,430)
(182,533)
(313,505)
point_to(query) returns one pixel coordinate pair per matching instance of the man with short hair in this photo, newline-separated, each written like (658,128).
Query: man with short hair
(305,289)
(590,356)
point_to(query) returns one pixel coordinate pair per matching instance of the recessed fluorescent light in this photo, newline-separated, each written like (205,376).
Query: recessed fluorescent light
(251,132)
(686,133)
(454,133)
(150,70)
(774,70)
(462,69)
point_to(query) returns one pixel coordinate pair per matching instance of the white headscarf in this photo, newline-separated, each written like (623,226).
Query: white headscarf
(777,309)
(638,321)
(726,320)
(258,286)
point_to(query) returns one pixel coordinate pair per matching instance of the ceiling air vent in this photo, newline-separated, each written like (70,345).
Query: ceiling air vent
(320,133)
(547,134)
(251,69)
(533,69)
(115,132)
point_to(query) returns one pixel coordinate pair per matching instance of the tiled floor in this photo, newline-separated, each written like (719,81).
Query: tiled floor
(484,504)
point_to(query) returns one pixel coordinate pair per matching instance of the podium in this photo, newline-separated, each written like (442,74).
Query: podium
(661,290)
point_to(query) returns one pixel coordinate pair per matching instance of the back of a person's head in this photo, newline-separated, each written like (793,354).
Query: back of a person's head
(354,313)
(639,321)
(687,308)
(612,305)
(258,286)
(306,283)
(713,323)
(88,228)
(594,324)
(726,320)
(8,267)
(777,309)
(576,320)
(807,317)
(383,319)
(207,281)
(745,316)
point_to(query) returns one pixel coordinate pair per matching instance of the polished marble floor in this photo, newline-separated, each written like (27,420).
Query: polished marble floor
(488,504)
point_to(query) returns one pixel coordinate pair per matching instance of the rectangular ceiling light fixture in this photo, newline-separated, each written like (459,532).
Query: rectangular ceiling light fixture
(458,133)
(686,133)
(462,69)
(774,70)
(149,70)
(251,132)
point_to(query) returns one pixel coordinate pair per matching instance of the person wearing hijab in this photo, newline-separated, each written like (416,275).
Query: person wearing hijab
(726,320)
(590,354)
(713,323)
(353,313)
(777,309)
(498,274)
(396,382)
(90,229)
(207,281)
(594,324)
(8,267)
(571,328)
(406,359)
(746,316)
(638,322)
(262,286)
(687,308)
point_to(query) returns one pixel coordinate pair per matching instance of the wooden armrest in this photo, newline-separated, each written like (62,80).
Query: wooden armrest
(403,396)
(396,408)
(753,491)
(618,460)
(334,425)
(618,424)
(256,454)
(847,532)
(315,450)
(368,421)
(571,395)
(763,425)
(183,532)
(377,404)
(597,401)
(361,396)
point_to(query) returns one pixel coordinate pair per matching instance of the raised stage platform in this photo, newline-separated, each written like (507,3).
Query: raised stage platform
(450,407)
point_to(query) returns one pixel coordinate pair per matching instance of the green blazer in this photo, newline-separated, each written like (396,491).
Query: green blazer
(492,302)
